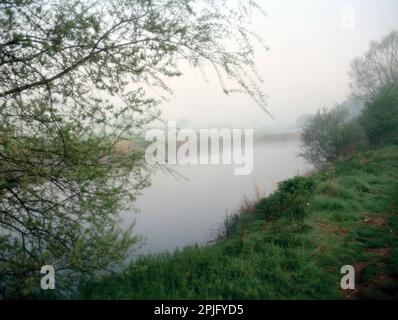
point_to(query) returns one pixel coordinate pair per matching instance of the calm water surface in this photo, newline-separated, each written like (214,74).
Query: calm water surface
(178,212)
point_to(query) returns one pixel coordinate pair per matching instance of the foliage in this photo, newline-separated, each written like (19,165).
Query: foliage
(377,68)
(330,135)
(380,116)
(290,199)
(74,79)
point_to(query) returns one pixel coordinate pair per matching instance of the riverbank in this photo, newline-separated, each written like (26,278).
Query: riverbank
(290,245)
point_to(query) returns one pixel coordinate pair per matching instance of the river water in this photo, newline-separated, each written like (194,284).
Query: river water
(174,212)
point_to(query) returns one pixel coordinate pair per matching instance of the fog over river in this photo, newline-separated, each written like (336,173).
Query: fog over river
(174,212)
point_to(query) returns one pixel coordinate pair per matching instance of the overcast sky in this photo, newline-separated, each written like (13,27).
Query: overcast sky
(311,45)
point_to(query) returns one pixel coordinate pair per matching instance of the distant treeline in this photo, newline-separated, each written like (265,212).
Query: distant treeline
(341,131)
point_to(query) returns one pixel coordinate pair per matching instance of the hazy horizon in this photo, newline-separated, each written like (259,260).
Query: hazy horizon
(311,42)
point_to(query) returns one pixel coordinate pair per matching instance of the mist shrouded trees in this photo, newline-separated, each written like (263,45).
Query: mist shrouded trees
(380,116)
(329,135)
(74,77)
(374,77)
(370,118)
(377,68)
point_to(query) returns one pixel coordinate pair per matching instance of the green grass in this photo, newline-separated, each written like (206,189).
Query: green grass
(290,246)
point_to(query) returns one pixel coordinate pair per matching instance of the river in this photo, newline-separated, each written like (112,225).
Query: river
(177,212)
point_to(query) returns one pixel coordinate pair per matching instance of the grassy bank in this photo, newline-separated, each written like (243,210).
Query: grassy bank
(288,246)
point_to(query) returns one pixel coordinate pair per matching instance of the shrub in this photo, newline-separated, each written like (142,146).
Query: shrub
(330,135)
(380,117)
(290,199)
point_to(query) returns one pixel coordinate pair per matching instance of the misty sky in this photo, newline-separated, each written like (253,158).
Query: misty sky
(311,45)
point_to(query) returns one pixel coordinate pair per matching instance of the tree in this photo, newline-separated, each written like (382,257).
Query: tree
(329,135)
(380,116)
(377,68)
(74,79)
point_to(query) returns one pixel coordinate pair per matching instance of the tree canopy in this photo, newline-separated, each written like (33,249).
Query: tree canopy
(380,117)
(329,135)
(377,68)
(74,83)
